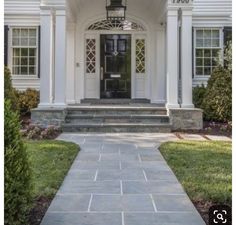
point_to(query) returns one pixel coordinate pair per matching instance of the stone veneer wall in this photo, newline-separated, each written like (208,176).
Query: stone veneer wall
(186,119)
(48,117)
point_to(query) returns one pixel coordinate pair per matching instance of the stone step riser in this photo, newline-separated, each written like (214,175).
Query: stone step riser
(117,120)
(117,129)
(117,112)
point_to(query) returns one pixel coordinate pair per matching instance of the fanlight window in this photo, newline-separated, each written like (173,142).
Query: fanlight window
(116,25)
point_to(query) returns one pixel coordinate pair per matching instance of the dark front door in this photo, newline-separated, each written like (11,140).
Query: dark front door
(115,74)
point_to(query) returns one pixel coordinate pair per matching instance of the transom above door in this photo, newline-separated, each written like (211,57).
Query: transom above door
(115,70)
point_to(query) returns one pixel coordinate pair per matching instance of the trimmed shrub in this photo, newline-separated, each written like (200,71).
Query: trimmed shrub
(9,91)
(198,95)
(28,100)
(217,103)
(17,193)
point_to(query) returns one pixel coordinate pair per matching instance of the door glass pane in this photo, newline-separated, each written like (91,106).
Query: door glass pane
(121,45)
(109,46)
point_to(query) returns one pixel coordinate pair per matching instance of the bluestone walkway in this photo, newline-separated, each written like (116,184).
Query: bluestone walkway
(120,179)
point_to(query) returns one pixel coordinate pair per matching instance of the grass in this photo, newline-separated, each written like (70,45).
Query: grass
(203,168)
(50,162)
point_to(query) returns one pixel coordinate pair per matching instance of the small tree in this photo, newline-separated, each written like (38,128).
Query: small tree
(217,103)
(17,193)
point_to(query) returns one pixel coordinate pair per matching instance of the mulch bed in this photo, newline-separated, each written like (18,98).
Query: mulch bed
(203,209)
(37,213)
(210,128)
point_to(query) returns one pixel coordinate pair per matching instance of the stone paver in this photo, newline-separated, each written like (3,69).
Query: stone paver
(218,138)
(121,179)
(193,137)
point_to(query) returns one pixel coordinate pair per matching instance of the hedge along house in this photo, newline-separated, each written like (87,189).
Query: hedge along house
(147,63)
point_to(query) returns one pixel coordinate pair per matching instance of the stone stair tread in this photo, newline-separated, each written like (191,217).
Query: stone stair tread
(110,107)
(144,116)
(117,125)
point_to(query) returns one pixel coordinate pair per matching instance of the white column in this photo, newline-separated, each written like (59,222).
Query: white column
(60,59)
(70,62)
(186,58)
(172,58)
(46,61)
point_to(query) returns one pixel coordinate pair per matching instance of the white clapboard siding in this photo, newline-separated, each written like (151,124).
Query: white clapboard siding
(53,2)
(212,7)
(22,7)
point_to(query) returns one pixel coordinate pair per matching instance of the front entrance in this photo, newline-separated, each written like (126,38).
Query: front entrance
(115,71)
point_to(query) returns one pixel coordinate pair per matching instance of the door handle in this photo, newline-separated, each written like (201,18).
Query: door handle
(102,73)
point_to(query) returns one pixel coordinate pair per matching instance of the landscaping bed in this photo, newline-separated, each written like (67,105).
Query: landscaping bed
(49,162)
(204,169)
(212,128)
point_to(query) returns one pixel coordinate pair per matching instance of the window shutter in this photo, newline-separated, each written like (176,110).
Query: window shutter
(39,44)
(6,29)
(227,35)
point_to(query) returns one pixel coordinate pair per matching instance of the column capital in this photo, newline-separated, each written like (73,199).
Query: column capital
(187,12)
(172,12)
(46,12)
(60,12)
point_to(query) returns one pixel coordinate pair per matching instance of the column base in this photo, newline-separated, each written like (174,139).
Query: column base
(172,106)
(187,106)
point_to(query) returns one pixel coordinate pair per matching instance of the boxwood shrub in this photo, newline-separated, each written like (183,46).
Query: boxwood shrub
(17,185)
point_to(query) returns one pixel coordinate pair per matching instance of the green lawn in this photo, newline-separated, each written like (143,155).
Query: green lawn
(50,162)
(203,168)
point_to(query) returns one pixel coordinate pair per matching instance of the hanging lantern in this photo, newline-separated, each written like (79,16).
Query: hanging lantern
(116,10)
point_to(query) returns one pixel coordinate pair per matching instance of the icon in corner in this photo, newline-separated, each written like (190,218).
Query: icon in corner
(220,215)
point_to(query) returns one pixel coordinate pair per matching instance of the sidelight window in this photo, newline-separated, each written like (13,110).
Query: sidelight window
(140,55)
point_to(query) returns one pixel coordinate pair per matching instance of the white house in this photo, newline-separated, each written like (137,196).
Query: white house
(70,52)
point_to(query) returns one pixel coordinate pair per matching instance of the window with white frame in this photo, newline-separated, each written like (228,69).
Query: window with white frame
(208,50)
(24,51)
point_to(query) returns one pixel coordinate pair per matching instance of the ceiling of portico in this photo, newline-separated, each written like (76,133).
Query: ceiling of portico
(150,11)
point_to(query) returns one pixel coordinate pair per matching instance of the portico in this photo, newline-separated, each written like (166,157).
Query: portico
(84,56)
